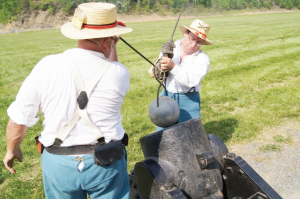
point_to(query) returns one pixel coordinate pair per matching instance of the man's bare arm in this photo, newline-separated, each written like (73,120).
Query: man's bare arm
(113,54)
(15,134)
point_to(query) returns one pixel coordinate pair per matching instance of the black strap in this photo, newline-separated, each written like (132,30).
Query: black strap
(57,142)
(191,90)
(101,140)
(125,140)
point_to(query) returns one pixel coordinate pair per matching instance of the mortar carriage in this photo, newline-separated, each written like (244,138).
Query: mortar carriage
(183,162)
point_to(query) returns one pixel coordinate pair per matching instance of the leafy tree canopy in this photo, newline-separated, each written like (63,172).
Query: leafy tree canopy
(9,9)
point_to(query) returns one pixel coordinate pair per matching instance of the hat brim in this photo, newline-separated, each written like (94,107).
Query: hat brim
(184,28)
(70,31)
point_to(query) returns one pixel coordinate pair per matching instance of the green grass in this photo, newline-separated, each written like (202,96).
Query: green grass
(281,139)
(270,147)
(253,83)
(278,139)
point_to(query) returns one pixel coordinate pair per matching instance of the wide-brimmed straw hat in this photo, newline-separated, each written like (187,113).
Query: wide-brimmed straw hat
(94,20)
(200,29)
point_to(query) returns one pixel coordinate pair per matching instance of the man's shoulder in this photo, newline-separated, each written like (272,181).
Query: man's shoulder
(46,62)
(118,77)
(202,58)
(203,55)
(119,65)
(178,42)
(49,59)
(118,68)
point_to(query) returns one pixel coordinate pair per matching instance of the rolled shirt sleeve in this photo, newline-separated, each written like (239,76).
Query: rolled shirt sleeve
(191,72)
(25,108)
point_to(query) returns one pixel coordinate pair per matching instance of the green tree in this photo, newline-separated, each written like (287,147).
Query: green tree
(9,10)
(24,4)
(289,4)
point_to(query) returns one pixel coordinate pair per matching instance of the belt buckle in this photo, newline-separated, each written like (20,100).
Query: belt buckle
(79,159)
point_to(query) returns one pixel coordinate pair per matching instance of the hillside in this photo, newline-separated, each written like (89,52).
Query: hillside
(36,20)
(27,15)
(41,20)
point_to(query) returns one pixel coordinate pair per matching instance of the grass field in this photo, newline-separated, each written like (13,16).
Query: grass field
(253,83)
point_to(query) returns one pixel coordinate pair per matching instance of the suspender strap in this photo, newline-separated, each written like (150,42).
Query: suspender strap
(195,56)
(83,96)
(75,72)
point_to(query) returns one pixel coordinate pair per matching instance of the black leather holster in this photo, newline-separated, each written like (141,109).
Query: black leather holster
(108,153)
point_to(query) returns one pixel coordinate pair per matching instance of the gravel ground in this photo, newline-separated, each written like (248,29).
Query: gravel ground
(280,169)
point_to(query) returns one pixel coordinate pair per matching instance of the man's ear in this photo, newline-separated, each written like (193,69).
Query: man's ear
(106,43)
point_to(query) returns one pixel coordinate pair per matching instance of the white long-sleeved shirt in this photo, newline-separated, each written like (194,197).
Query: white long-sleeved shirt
(50,88)
(189,72)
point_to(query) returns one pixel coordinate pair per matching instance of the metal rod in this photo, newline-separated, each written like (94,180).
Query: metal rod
(175,26)
(137,51)
(145,59)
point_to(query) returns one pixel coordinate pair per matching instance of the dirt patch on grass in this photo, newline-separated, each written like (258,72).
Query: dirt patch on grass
(280,169)
(237,110)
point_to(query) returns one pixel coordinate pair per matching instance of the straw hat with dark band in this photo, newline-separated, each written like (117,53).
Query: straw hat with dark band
(94,20)
(199,28)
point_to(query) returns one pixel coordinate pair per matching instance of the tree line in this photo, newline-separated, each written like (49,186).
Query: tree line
(9,9)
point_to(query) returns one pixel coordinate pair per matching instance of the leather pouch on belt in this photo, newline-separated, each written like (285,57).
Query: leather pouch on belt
(108,153)
(39,146)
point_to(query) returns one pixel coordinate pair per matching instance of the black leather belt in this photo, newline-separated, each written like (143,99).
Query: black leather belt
(79,149)
(71,150)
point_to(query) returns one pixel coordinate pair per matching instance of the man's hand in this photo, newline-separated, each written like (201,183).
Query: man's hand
(167,63)
(159,73)
(115,40)
(167,48)
(9,159)
(118,38)
(113,54)
(14,134)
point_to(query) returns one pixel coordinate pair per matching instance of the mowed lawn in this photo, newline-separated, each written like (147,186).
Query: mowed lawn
(253,83)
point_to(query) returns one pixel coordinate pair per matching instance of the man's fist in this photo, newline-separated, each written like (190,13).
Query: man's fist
(159,73)
(9,159)
(167,48)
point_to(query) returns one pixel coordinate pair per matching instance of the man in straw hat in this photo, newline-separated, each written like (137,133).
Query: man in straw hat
(186,69)
(80,93)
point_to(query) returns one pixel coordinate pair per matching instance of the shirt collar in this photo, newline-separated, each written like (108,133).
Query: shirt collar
(84,51)
(195,53)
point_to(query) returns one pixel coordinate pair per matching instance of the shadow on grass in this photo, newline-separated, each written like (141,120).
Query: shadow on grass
(223,128)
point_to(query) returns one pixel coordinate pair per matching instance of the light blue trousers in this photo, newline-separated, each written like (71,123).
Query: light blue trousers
(189,105)
(62,179)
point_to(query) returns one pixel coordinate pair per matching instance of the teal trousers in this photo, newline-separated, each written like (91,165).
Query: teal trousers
(63,179)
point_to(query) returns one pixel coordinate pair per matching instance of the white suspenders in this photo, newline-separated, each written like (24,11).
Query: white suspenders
(83,96)
(195,56)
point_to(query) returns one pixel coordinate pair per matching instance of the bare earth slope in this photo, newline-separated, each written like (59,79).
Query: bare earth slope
(40,20)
